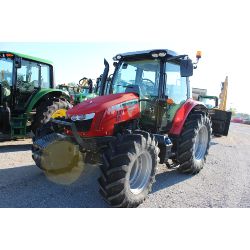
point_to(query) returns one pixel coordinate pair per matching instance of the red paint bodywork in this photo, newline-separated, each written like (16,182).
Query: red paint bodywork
(108,112)
(181,116)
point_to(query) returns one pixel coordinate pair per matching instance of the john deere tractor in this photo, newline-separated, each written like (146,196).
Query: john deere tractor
(146,118)
(28,98)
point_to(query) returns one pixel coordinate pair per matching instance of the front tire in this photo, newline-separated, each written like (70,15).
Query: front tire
(55,153)
(128,170)
(194,143)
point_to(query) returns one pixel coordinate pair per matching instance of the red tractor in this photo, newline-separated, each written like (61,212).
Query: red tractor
(146,118)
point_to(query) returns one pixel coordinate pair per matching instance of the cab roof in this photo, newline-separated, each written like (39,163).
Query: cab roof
(37,59)
(146,54)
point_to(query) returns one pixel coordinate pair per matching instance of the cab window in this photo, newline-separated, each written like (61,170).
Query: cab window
(28,76)
(6,73)
(141,75)
(176,86)
(45,76)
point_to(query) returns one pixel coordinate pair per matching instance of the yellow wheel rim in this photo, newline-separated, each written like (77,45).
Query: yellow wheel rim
(59,113)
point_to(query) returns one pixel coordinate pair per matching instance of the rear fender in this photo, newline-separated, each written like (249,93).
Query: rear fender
(182,114)
(41,94)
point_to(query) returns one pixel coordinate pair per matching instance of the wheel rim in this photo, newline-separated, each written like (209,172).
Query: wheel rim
(201,141)
(59,113)
(140,173)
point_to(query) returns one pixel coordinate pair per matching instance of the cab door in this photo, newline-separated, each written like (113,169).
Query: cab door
(220,121)
(27,82)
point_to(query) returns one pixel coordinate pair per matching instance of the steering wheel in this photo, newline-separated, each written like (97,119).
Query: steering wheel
(83,82)
(147,86)
(148,80)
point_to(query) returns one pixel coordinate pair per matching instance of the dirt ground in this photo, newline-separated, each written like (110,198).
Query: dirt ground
(224,181)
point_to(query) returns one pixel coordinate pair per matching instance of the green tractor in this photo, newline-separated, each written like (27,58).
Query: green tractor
(209,101)
(82,91)
(28,97)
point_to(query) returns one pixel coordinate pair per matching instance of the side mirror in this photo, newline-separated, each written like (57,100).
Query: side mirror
(186,68)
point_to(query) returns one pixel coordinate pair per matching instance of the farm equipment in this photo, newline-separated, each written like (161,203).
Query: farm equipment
(28,97)
(145,118)
(217,109)
(84,90)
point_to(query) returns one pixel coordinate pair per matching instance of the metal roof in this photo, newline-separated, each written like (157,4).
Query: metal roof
(29,57)
(145,53)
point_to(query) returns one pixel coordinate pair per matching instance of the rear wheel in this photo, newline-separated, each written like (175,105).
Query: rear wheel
(194,143)
(128,170)
(47,110)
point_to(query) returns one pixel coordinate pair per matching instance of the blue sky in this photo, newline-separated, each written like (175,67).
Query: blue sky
(220,29)
(73,61)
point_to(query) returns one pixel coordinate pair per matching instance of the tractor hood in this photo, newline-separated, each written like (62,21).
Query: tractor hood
(101,103)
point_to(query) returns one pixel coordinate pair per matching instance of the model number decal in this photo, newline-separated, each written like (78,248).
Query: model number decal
(128,104)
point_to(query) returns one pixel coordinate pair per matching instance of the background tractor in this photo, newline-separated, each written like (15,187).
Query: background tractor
(217,109)
(84,90)
(209,101)
(145,117)
(28,97)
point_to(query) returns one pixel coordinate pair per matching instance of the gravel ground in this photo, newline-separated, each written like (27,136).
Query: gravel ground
(224,181)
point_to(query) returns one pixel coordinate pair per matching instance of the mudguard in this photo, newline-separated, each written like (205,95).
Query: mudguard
(182,114)
(41,93)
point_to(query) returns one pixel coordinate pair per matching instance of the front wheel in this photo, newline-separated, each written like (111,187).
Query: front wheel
(194,143)
(128,170)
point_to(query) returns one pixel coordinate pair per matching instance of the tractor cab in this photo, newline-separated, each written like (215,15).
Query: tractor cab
(209,101)
(21,77)
(160,79)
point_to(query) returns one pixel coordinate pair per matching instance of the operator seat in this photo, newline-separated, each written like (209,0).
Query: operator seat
(133,88)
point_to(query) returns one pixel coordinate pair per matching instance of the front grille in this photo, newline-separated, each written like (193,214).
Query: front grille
(83,126)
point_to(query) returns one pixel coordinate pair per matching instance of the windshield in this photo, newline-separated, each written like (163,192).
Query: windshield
(28,76)
(141,77)
(6,73)
(209,102)
(6,70)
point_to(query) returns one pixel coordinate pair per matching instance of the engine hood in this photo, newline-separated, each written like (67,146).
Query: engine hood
(101,103)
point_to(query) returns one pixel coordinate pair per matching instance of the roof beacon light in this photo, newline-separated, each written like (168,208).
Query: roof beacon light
(198,54)
(118,57)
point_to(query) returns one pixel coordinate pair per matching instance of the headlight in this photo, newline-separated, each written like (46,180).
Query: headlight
(82,117)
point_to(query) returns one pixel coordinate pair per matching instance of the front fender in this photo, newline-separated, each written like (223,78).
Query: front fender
(43,92)
(182,114)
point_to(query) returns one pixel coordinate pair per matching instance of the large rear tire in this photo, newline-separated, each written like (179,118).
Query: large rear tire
(46,110)
(128,169)
(194,142)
